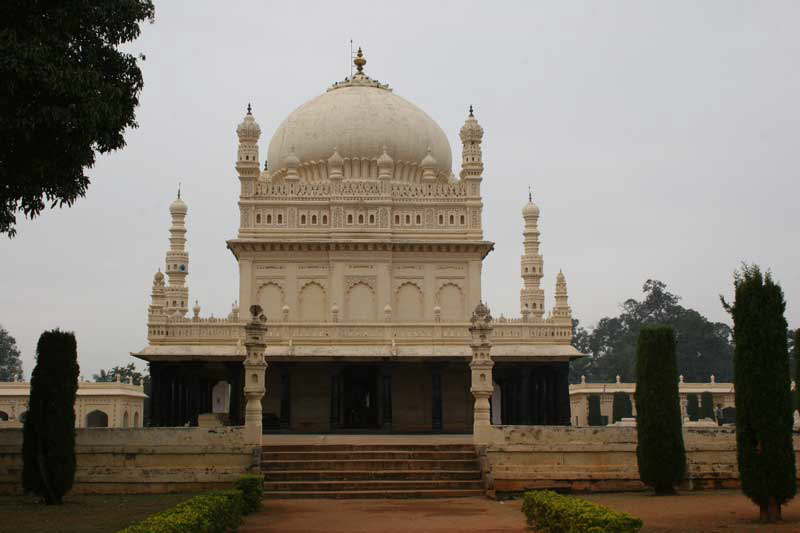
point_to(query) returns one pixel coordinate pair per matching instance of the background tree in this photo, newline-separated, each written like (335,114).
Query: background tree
(692,407)
(48,448)
(595,418)
(797,368)
(67,93)
(129,374)
(763,399)
(621,406)
(706,405)
(659,449)
(10,362)
(703,347)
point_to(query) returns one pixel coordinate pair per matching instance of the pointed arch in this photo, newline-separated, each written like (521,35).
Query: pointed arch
(450,299)
(313,302)
(408,302)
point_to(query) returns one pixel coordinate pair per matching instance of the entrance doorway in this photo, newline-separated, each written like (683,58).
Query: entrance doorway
(359,401)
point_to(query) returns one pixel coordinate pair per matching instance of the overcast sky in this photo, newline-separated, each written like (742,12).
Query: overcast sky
(660,139)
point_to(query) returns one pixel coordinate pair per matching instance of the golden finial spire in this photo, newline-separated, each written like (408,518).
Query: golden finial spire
(359,61)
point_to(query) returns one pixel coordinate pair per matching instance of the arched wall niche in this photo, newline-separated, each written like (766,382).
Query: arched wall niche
(313,302)
(136,419)
(271,298)
(125,420)
(361,302)
(451,300)
(97,419)
(408,306)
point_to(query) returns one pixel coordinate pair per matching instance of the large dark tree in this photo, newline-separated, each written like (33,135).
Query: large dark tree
(10,362)
(66,93)
(763,397)
(703,347)
(48,448)
(659,450)
(797,367)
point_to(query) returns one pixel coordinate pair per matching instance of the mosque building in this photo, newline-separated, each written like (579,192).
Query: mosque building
(360,256)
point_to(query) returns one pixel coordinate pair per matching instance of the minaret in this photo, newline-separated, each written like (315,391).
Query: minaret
(157,297)
(561,310)
(471,156)
(247,165)
(177,293)
(531,296)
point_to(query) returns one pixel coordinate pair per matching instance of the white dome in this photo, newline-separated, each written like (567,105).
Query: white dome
(359,120)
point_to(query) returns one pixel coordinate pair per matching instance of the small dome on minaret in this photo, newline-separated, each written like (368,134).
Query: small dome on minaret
(530,209)
(178,206)
(471,131)
(248,129)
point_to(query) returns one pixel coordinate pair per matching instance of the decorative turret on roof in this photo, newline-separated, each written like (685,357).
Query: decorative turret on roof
(177,260)
(428,166)
(471,157)
(531,296)
(385,165)
(157,297)
(562,309)
(247,165)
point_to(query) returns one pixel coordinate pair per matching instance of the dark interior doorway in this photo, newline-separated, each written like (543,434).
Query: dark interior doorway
(359,396)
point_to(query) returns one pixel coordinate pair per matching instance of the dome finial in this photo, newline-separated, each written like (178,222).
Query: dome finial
(179,189)
(530,195)
(359,61)
(470,111)
(249,109)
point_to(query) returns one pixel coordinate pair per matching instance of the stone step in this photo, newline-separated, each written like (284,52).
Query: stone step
(342,486)
(367,454)
(377,494)
(372,464)
(366,447)
(353,475)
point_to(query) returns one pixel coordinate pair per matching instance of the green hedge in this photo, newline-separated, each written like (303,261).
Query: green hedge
(551,512)
(211,512)
(252,487)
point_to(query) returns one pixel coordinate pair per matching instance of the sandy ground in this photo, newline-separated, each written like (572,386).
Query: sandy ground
(709,511)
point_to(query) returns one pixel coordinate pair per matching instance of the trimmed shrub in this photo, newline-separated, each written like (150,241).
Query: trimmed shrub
(692,407)
(211,512)
(595,418)
(659,450)
(621,406)
(706,405)
(552,512)
(763,398)
(252,487)
(48,449)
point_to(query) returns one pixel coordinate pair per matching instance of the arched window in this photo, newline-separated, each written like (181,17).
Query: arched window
(372,219)
(408,219)
(303,219)
(280,218)
(314,219)
(136,419)
(462,220)
(360,219)
(125,419)
(452,219)
(324,220)
(97,419)
(419,219)
(269,219)
(441,220)
(350,218)
(397,219)
(258,218)
(3,416)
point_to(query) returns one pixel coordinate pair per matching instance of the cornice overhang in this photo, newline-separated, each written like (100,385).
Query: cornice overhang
(239,246)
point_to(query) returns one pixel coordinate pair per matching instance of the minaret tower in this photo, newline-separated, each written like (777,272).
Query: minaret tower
(177,293)
(531,296)
(247,165)
(157,297)
(472,170)
(561,310)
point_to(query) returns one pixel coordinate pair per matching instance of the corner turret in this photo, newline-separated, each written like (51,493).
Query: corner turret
(531,296)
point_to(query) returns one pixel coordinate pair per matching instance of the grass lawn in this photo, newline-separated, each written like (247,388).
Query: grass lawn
(81,513)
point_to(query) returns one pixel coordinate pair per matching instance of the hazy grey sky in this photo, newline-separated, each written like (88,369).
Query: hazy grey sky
(660,138)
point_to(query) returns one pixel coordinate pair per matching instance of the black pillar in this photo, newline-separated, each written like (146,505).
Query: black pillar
(562,394)
(386,397)
(436,403)
(286,398)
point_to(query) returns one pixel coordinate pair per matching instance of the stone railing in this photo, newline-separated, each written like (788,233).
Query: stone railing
(224,331)
(326,190)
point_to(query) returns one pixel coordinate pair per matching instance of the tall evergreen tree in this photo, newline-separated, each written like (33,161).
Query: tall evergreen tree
(659,450)
(763,398)
(48,447)
(797,368)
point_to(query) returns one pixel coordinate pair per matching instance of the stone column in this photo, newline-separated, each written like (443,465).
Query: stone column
(254,373)
(481,367)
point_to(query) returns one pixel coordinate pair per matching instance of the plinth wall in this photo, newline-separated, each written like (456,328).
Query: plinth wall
(597,459)
(143,460)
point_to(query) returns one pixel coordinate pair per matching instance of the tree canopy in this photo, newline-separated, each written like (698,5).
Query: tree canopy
(703,347)
(67,93)
(10,362)
(127,373)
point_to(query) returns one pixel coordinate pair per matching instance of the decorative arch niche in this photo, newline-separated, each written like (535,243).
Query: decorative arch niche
(97,419)
(125,420)
(451,300)
(360,301)
(271,298)
(408,306)
(313,302)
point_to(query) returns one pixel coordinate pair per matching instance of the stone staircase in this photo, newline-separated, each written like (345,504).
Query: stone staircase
(371,471)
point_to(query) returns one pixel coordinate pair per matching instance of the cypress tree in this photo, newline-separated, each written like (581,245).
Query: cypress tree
(659,450)
(706,405)
(796,369)
(763,395)
(48,447)
(692,407)
(621,406)
(595,418)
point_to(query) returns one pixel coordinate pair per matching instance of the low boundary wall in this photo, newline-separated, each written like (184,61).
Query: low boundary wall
(597,459)
(143,460)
